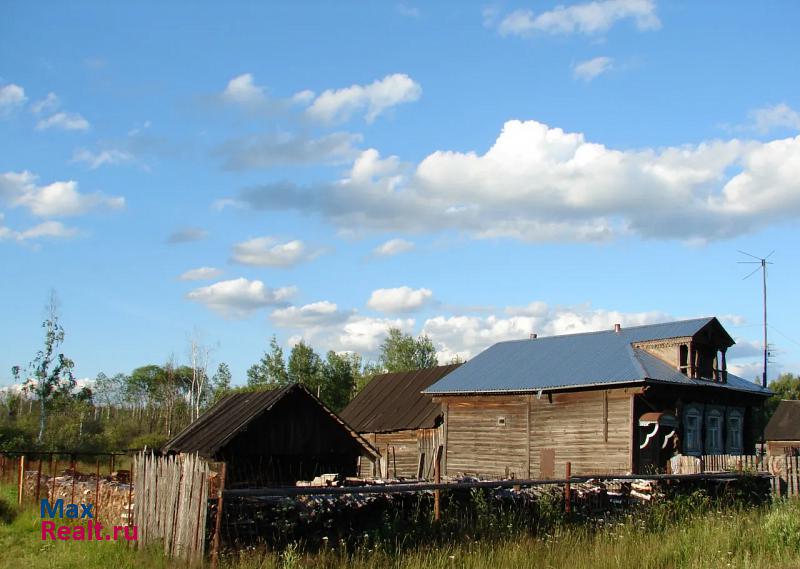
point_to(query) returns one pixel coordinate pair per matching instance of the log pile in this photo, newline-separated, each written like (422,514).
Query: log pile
(111,506)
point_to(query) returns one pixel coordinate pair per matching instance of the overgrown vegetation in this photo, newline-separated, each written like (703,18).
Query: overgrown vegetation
(699,531)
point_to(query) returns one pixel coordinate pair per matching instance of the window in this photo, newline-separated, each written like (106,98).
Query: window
(683,358)
(714,432)
(734,443)
(691,432)
(501,421)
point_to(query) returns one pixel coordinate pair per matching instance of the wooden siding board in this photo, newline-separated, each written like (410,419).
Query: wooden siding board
(572,424)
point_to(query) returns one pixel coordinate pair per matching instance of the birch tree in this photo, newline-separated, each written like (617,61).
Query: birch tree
(49,373)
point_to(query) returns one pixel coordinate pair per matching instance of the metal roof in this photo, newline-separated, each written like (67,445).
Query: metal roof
(580,360)
(785,423)
(395,402)
(215,428)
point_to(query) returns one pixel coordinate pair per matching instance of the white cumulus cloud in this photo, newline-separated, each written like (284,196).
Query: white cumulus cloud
(767,119)
(46,229)
(466,335)
(587,18)
(400,299)
(240,298)
(337,105)
(11,97)
(50,103)
(242,90)
(592,68)
(309,317)
(393,247)
(539,183)
(58,199)
(200,274)
(102,157)
(268,252)
(63,121)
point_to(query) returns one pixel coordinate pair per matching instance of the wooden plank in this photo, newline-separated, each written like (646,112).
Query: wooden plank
(528,438)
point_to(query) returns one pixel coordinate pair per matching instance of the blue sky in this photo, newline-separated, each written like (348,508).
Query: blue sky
(474,171)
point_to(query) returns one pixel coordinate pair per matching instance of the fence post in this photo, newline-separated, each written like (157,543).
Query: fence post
(21,480)
(97,490)
(437,494)
(218,520)
(74,472)
(51,493)
(130,493)
(568,489)
(2,467)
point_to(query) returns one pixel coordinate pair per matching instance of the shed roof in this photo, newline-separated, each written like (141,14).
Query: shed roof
(582,360)
(395,402)
(785,423)
(221,423)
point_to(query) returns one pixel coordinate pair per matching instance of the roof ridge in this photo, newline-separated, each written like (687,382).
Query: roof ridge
(608,331)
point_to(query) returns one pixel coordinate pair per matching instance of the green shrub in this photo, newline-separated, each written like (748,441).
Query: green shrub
(7,512)
(150,440)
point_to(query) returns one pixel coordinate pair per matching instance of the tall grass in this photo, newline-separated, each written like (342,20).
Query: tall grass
(693,531)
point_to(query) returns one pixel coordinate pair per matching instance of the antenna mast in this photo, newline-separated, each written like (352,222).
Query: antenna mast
(762,266)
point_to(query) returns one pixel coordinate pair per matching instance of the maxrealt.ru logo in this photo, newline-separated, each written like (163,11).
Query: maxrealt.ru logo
(88,531)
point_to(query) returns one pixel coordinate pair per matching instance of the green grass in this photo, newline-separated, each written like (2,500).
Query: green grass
(694,538)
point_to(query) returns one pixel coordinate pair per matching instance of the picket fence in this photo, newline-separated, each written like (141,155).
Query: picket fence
(785,470)
(171,504)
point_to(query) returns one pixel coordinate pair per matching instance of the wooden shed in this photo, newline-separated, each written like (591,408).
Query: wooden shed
(783,430)
(404,424)
(274,437)
(609,402)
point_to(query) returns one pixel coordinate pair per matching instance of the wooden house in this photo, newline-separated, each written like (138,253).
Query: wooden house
(614,401)
(783,430)
(404,424)
(274,437)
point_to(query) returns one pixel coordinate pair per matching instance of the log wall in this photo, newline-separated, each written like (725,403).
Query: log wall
(526,436)
(400,453)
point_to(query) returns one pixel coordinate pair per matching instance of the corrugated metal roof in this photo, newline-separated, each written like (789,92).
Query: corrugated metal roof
(578,360)
(217,426)
(395,402)
(785,423)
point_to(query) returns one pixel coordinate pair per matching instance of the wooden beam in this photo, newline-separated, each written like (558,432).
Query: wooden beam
(632,438)
(528,439)
(605,416)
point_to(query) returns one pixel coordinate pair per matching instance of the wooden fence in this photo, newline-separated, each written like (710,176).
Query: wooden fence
(785,470)
(171,503)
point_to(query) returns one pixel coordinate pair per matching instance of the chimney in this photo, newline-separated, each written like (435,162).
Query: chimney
(617,328)
(534,336)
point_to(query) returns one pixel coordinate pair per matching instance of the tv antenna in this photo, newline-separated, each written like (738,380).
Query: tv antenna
(762,266)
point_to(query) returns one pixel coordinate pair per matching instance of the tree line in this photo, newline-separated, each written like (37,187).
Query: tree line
(153,402)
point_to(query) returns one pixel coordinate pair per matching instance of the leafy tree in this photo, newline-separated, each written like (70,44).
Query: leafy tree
(787,386)
(270,370)
(221,382)
(403,352)
(305,367)
(339,374)
(144,383)
(368,371)
(109,392)
(50,374)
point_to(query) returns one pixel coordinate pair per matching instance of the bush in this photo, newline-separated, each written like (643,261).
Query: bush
(7,512)
(150,440)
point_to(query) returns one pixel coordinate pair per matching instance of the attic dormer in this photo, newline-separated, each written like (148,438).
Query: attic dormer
(700,356)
